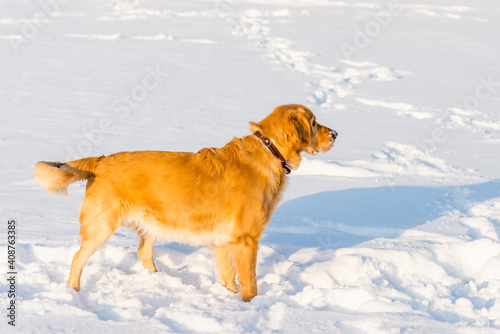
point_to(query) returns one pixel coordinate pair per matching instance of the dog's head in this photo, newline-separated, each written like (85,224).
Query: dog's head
(294,129)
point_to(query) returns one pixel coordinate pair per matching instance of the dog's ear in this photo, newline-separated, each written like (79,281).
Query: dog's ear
(299,120)
(255,127)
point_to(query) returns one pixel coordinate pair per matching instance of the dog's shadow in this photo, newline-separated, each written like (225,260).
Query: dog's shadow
(346,218)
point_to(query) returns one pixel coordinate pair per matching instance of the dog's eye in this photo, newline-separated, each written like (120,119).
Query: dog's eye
(314,123)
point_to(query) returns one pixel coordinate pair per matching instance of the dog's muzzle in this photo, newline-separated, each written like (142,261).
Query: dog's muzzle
(333,134)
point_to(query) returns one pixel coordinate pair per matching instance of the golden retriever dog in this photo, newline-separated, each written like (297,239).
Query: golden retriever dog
(217,197)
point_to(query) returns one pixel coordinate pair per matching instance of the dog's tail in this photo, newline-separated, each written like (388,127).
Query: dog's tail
(56,176)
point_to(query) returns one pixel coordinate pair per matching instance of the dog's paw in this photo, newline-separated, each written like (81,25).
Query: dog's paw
(231,286)
(247,298)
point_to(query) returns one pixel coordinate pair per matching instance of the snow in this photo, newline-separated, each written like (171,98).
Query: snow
(394,230)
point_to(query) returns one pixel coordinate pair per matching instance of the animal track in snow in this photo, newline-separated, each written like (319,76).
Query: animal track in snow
(405,160)
(470,119)
(330,82)
(395,159)
(444,12)
(405,109)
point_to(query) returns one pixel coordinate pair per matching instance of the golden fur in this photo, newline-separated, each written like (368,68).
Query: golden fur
(218,197)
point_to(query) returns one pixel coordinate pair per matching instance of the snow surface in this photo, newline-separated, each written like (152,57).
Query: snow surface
(395,230)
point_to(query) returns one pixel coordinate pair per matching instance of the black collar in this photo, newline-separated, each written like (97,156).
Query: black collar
(273,150)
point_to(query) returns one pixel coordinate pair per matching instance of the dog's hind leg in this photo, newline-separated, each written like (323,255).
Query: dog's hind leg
(94,232)
(227,270)
(145,252)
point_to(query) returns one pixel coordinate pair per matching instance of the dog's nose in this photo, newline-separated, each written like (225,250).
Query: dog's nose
(333,134)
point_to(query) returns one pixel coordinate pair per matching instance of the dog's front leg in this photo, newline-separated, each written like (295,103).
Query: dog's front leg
(225,263)
(245,258)
(145,252)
